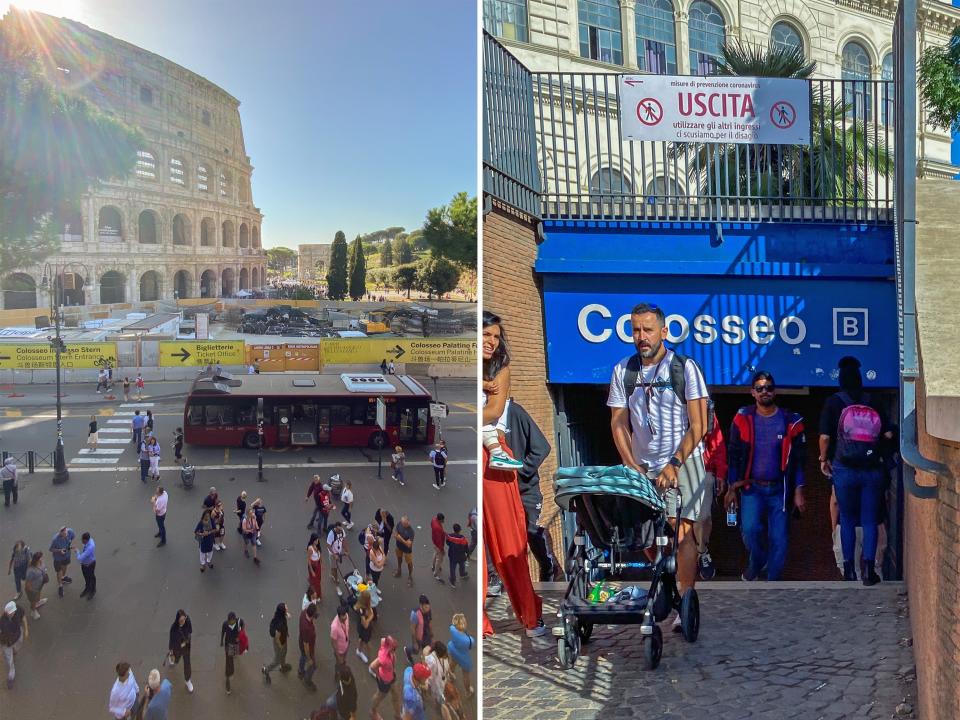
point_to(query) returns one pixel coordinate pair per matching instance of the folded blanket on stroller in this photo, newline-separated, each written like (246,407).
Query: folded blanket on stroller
(607,480)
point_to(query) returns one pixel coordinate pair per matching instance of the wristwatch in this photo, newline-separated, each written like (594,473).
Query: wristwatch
(676,462)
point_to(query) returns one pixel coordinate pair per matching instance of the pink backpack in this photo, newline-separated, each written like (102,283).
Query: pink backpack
(858,433)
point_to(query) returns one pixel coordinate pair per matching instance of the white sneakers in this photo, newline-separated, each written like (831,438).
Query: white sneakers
(189,686)
(362,656)
(537,631)
(501,461)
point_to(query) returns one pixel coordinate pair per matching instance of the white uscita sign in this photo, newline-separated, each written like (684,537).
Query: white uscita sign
(715,109)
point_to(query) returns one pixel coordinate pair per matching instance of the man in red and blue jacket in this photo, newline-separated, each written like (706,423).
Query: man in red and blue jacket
(766,453)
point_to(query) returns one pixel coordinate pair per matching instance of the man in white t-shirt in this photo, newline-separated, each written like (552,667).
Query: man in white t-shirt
(659,435)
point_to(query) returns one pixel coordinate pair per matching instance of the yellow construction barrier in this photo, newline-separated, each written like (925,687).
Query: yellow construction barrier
(38,356)
(407,350)
(201,353)
(301,357)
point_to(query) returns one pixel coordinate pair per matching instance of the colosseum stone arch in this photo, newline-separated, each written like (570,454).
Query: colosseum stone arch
(186,188)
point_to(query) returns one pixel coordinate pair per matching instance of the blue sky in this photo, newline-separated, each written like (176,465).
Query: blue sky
(357,114)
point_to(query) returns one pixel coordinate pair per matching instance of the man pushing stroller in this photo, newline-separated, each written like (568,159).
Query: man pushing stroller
(658,403)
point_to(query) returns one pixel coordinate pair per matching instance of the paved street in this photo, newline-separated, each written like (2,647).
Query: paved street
(808,651)
(66,666)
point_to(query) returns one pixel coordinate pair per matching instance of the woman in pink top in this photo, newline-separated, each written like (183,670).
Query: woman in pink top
(340,634)
(383,669)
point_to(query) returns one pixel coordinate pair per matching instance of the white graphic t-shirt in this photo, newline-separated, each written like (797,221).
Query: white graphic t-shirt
(657,434)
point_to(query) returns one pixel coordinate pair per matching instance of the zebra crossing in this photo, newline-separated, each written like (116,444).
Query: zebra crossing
(115,433)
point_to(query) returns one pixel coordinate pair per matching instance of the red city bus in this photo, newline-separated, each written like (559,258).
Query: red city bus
(307,409)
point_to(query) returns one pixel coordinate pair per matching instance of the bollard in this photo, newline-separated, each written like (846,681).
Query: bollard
(3,457)
(31,462)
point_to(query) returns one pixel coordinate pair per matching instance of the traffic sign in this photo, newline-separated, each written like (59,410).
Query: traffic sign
(438,409)
(346,351)
(201,353)
(40,356)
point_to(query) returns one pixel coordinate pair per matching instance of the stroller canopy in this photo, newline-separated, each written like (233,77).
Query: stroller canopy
(572,482)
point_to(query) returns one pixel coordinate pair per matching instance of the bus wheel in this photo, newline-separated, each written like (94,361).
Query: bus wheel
(378,440)
(251,440)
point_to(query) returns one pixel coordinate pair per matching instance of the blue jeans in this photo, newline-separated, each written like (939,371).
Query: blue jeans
(144,467)
(764,528)
(859,494)
(306,667)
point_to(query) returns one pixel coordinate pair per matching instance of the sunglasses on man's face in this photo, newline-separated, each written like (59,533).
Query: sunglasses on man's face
(764,388)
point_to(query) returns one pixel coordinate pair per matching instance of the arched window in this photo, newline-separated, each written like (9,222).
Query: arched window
(707,36)
(112,287)
(506,19)
(150,285)
(226,182)
(148,232)
(203,178)
(181,230)
(610,192)
(663,188)
(182,284)
(226,239)
(255,237)
(208,233)
(244,236)
(146,168)
(19,292)
(785,36)
(601,37)
(109,223)
(177,176)
(855,70)
(886,89)
(656,38)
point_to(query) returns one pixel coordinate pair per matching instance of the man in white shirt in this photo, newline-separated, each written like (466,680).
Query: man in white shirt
(657,433)
(159,501)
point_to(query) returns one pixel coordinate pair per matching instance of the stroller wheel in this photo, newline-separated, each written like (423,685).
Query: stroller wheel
(690,615)
(653,648)
(567,650)
(584,630)
(661,602)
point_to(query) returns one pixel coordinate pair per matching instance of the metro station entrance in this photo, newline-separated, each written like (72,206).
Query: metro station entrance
(583,438)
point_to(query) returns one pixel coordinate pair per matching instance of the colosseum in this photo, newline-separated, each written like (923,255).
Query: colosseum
(183,225)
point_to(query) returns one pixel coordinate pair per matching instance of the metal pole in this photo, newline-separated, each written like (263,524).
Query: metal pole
(380,459)
(260,451)
(60,472)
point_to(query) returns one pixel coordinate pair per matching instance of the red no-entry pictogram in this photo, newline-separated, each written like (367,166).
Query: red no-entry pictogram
(783,114)
(649,111)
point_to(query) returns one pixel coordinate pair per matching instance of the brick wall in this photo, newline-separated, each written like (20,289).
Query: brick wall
(932,557)
(511,291)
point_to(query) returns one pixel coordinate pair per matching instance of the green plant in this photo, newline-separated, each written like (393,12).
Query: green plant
(938,83)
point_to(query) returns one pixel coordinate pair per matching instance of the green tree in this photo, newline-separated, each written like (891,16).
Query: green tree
(281,258)
(405,277)
(386,254)
(938,83)
(450,231)
(416,240)
(843,152)
(55,147)
(402,254)
(337,272)
(358,270)
(437,275)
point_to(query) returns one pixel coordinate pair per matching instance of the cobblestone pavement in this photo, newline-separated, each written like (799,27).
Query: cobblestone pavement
(817,653)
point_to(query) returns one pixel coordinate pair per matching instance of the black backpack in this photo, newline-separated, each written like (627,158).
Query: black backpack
(677,381)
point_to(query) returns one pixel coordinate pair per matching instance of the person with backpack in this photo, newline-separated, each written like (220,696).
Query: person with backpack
(233,641)
(139,384)
(438,458)
(658,402)
(279,633)
(8,474)
(853,431)
(767,451)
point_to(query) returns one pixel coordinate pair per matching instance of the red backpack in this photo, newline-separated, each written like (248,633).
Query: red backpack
(243,642)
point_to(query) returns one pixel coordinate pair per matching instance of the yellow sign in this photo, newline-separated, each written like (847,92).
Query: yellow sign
(201,353)
(403,350)
(39,356)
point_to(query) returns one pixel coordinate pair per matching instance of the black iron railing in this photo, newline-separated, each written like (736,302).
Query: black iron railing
(580,167)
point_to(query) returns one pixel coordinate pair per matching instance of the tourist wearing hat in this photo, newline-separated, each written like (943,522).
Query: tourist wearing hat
(8,474)
(414,685)
(13,631)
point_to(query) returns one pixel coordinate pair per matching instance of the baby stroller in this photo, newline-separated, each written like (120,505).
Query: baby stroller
(354,584)
(621,513)
(335,485)
(187,474)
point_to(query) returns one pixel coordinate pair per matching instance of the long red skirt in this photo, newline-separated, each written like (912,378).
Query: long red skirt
(505,538)
(316,580)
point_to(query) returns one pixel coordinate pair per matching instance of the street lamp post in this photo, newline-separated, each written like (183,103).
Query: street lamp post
(260,450)
(60,472)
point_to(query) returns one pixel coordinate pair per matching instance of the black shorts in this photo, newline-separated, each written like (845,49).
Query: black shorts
(384,687)
(364,633)
(58,564)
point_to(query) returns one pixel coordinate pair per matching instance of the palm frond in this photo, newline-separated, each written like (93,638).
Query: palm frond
(749,60)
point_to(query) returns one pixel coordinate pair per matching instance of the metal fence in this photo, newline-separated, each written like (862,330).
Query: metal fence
(579,167)
(509,138)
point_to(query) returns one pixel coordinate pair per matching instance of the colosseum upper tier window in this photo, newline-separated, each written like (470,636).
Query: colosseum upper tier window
(146,165)
(146,95)
(203,184)
(205,118)
(176,172)
(225,182)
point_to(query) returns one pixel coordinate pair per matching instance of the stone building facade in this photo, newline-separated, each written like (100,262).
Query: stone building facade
(850,39)
(184,224)
(312,261)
